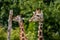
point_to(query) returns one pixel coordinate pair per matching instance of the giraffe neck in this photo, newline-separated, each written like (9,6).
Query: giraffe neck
(22,33)
(40,31)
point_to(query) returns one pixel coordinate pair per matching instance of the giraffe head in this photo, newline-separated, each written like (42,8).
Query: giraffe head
(17,18)
(37,16)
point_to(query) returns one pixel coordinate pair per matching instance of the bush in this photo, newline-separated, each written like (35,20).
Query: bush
(3,34)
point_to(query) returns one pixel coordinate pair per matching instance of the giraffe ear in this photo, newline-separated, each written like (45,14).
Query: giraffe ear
(33,12)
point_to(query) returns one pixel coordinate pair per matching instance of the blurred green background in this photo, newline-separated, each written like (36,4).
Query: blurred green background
(25,8)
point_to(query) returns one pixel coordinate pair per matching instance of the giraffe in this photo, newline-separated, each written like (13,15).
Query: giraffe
(9,24)
(21,25)
(38,17)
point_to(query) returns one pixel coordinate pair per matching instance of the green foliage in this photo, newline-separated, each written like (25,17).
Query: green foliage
(3,34)
(15,34)
(25,8)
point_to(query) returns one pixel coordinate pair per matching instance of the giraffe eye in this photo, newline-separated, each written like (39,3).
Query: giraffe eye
(37,15)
